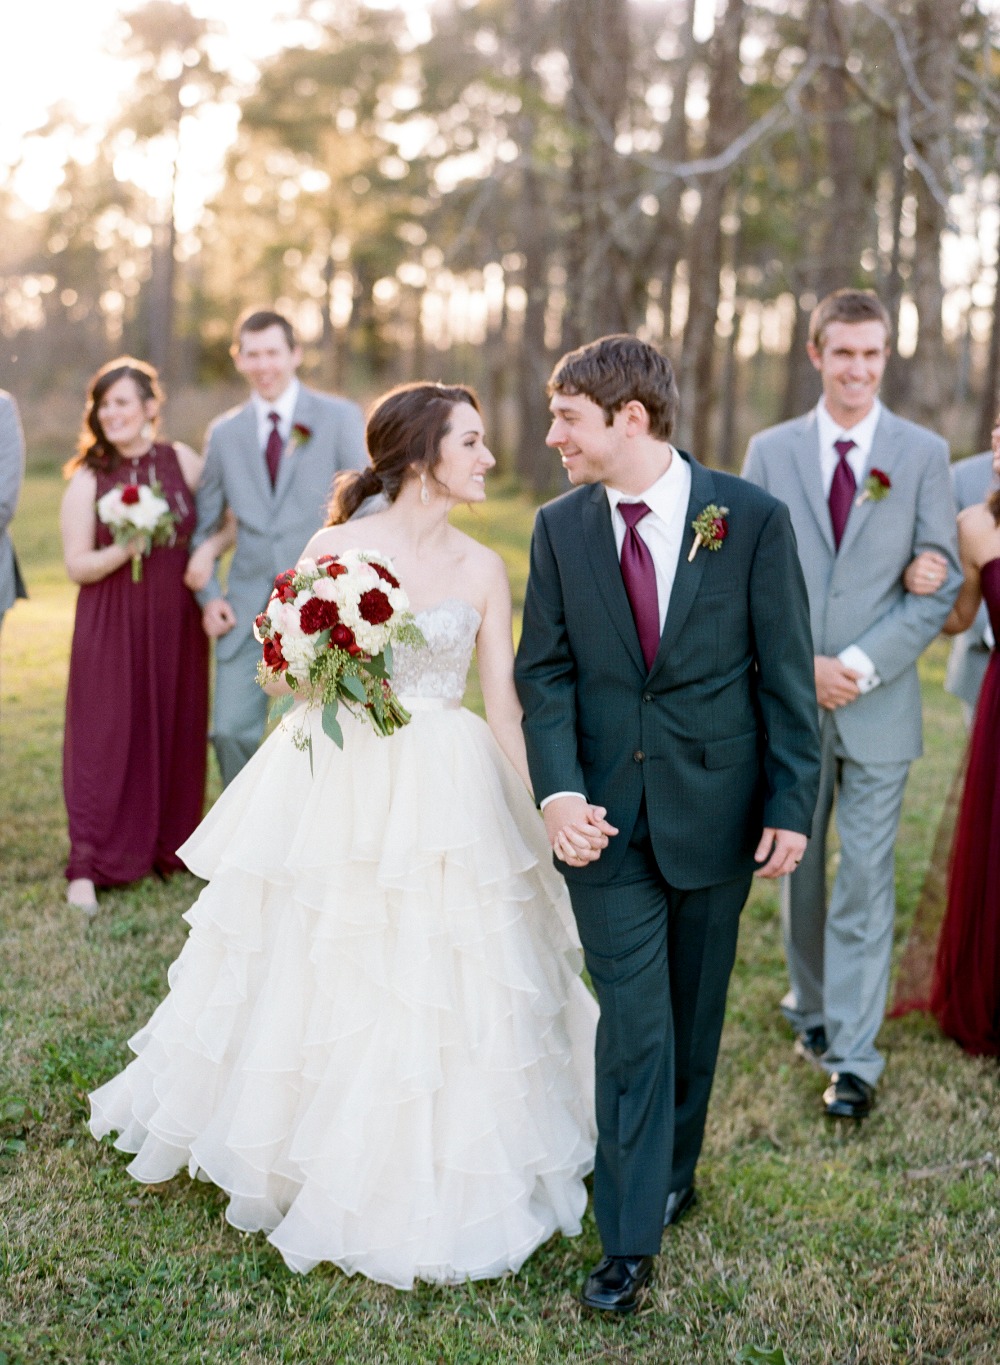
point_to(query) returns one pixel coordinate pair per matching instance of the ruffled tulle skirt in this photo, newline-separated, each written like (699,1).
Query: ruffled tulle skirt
(376,1040)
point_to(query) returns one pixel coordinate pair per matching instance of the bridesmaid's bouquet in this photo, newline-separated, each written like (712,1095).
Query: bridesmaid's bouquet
(328,630)
(137,511)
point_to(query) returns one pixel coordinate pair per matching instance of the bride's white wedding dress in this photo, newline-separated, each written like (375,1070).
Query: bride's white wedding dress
(375,1040)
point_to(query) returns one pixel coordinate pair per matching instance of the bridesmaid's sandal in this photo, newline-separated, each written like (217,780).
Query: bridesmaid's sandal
(81,894)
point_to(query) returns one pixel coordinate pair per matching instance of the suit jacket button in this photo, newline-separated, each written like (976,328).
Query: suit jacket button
(638,756)
(647,696)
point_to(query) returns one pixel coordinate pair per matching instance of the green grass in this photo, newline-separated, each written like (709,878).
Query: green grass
(814,1238)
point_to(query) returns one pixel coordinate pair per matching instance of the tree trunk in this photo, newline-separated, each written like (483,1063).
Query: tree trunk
(675,148)
(991,388)
(937,28)
(596,42)
(533,461)
(725,119)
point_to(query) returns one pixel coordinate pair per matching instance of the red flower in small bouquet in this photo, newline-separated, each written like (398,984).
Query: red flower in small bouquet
(328,629)
(710,529)
(137,512)
(875,487)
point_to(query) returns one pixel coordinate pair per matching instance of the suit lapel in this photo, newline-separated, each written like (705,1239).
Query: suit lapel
(248,441)
(804,444)
(291,459)
(599,539)
(689,572)
(884,454)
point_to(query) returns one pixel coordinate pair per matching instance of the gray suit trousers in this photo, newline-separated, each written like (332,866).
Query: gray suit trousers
(839,953)
(240,710)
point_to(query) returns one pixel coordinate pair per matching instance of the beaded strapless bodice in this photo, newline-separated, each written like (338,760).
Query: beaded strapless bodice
(440,668)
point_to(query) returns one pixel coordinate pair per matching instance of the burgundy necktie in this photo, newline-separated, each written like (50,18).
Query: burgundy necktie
(842,489)
(273,449)
(639,577)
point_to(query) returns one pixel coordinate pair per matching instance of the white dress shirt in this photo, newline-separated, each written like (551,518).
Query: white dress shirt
(862,434)
(283,406)
(661,529)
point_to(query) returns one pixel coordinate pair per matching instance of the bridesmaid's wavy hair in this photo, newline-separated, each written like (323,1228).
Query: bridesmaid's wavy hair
(93,449)
(404,433)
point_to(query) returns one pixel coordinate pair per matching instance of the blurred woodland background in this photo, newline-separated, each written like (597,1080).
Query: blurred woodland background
(467,191)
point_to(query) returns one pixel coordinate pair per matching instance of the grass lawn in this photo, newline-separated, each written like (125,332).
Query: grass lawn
(872,1244)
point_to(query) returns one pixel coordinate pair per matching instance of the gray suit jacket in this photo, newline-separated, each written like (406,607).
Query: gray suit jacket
(273,524)
(11,478)
(856,595)
(972,481)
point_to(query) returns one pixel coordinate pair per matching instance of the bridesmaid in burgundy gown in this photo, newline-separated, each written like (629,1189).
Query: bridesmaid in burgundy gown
(965,992)
(137,703)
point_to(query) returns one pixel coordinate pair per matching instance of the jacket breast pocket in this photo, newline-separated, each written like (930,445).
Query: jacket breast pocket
(728,753)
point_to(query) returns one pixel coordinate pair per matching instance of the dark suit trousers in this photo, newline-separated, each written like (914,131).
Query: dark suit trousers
(660,959)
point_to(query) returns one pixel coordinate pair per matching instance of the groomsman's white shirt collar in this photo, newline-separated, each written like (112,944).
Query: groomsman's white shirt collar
(283,406)
(663,528)
(862,434)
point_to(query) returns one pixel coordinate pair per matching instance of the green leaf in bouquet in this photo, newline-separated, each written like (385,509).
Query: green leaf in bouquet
(354,687)
(377,665)
(331,727)
(279,705)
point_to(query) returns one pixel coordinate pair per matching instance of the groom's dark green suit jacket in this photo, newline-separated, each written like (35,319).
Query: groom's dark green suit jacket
(721,734)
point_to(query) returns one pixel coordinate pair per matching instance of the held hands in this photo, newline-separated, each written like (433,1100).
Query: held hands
(836,684)
(926,573)
(783,849)
(577,830)
(217,618)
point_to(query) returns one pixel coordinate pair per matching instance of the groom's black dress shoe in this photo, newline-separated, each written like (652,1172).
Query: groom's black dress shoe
(678,1203)
(848,1096)
(810,1044)
(614,1283)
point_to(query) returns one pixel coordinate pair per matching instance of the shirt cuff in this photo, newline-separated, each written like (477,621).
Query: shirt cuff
(554,796)
(853,657)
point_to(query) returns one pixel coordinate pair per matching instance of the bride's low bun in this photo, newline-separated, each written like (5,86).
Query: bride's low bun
(351,488)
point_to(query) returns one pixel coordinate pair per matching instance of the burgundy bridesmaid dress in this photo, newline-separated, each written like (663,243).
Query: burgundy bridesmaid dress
(137,703)
(965,995)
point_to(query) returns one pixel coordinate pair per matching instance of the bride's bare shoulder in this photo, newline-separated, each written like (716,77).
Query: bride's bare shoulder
(331,540)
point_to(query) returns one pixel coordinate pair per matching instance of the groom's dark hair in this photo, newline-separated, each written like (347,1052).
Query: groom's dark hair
(616,370)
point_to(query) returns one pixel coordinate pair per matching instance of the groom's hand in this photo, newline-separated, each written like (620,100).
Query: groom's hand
(577,830)
(783,849)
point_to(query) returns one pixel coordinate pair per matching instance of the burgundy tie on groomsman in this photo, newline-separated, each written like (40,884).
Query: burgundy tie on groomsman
(274,447)
(639,576)
(842,489)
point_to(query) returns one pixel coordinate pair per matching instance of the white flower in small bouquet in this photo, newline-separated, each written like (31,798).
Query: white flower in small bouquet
(328,630)
(137,511)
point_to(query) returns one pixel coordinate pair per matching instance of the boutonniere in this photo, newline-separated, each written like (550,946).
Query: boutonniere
(875,487)
(298,436)
(710,529)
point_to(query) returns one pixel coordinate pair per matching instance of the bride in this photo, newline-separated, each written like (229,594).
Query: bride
(376,1040)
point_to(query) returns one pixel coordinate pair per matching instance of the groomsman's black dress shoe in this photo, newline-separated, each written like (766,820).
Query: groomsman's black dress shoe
(810,1044)
(678,1203)
(848,1096)
(614,1283)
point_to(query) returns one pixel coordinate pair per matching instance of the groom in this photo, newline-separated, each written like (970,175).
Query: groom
(670,720)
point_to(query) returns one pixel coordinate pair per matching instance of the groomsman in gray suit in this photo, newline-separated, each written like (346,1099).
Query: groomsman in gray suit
(271,462)
(11,477)
(867,492)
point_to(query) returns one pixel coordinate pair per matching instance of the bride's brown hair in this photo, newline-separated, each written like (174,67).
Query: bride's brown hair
(93,449)
(404,433)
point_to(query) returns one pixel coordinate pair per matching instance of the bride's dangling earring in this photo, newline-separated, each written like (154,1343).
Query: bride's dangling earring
(425,495)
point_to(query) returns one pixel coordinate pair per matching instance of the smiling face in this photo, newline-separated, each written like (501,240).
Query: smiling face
(123,413)
(851,362)
(590,450)
(267,362)
(463,459)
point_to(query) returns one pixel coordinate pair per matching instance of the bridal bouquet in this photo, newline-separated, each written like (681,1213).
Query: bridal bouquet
(328,630)
(137,510)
